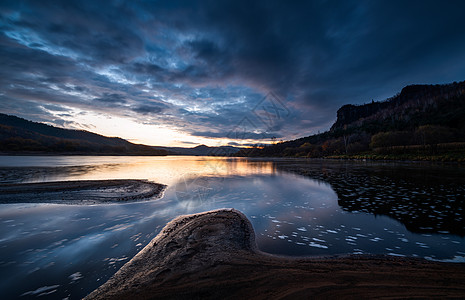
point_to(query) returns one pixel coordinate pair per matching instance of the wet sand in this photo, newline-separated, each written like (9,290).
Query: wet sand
(213,255)
(81,192)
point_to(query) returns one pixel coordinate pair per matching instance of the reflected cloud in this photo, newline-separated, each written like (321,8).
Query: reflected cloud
(425,198)
(332,210)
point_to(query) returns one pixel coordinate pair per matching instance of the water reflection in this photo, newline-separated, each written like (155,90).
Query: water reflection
(60,251)
(425,198)
(166,170)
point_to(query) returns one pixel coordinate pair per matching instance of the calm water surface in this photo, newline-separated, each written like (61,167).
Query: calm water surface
(64,251)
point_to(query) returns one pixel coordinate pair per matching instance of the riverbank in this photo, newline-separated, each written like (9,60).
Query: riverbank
(81,192)
(213,255)
(443,157)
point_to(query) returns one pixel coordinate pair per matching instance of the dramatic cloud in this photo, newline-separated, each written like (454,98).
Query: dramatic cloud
(206,69)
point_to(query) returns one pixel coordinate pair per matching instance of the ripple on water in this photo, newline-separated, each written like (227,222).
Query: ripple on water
(75,276)
(316,245)
(42,291)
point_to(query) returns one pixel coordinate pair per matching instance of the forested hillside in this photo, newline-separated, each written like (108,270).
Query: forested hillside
(421,122)
(18,135)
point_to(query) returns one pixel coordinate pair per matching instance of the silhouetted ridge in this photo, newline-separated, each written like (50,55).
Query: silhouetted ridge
(18,135)
(412,100)
(421,122)
(62,133)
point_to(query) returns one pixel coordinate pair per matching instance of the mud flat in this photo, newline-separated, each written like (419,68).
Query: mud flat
(81,192)
(213,255)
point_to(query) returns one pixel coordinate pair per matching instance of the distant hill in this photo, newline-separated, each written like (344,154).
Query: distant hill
(18,135)
(420,121)
(203,150)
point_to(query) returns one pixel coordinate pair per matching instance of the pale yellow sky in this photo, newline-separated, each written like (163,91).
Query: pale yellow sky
(135,132)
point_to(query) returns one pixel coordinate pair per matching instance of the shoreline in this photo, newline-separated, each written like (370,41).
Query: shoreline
(427,219)
(213,255)
(357,158)
(81,192)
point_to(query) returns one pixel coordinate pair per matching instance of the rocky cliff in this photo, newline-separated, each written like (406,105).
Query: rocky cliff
(436,104)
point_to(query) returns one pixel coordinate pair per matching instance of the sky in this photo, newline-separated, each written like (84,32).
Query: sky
(184,73)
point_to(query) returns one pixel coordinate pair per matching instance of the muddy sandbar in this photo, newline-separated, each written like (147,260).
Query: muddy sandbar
(213,255)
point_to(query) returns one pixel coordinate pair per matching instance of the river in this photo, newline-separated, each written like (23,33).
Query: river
(65,251)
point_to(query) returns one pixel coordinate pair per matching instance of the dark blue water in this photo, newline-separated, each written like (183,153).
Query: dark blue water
(60,251)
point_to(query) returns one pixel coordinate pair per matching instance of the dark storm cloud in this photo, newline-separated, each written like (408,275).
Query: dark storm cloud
(239,135)
(202,66)
(148,109)
(93,31)
(111,98)
(314,46)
